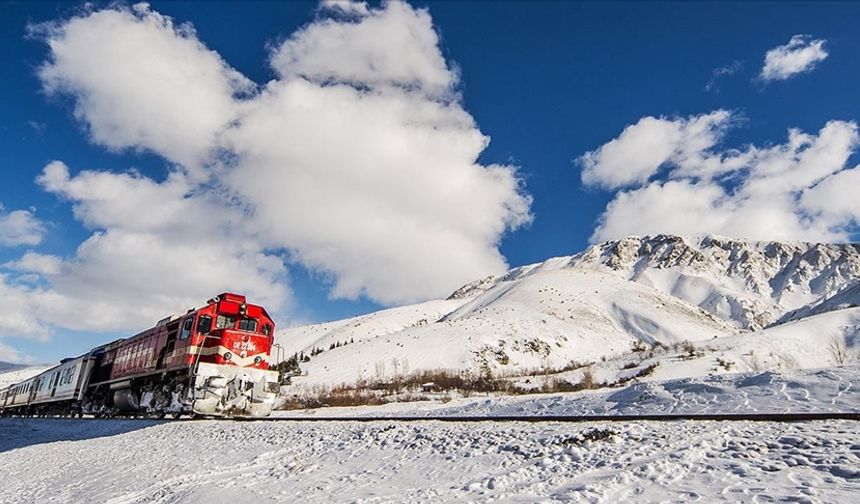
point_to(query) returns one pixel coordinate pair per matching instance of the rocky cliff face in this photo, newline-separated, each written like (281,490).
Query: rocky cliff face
(753,284)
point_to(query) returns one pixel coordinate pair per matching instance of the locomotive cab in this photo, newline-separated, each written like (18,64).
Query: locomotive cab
(234,333)
(233,340)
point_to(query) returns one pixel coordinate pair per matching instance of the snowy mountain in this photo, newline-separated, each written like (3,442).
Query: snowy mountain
(751,284)
(776,300)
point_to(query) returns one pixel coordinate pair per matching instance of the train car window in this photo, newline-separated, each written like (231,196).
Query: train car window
(225,322)
(248,324)
(204,324)
(186,328)
(267,329)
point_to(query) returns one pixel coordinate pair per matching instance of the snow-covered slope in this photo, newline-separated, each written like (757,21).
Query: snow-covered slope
(365,327)
(543,320)
(847,297)
(604,302)
(14,373)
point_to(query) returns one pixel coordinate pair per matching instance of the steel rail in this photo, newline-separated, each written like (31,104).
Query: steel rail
(713,417)
(718,417)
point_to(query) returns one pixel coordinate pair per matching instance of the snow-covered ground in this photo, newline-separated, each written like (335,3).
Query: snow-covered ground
(125,462)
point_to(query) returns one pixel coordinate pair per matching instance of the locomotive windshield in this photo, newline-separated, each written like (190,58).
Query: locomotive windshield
(248,324)
(225,322)
(204,324)
(229,322)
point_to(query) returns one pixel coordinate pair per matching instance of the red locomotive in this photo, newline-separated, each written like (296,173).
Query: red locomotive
(210,361)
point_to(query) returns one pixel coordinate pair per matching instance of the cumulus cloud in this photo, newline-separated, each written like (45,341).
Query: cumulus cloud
(798,190)
(392,46)
(358,162)
(20,227)
(364,165)
(140,81)
(348,7)
(643,148)
(33,262)
(801,54)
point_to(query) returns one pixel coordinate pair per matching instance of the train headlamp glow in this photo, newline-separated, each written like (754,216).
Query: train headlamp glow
(228,356)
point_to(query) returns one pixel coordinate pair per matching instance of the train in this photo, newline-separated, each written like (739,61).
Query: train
(211,361)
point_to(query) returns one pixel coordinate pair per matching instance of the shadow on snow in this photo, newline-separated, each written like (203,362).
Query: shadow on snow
(22,432)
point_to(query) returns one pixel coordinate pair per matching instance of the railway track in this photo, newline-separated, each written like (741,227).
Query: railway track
(747,417)
(717,417)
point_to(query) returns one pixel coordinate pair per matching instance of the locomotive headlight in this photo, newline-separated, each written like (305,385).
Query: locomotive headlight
(258,359)
(228,356)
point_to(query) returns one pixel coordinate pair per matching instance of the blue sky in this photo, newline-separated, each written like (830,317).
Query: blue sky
(546,82)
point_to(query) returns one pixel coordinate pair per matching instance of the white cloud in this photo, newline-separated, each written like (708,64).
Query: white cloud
(643,148)
(835,198)
(140,81)
(358,162)
(33,262)
(382,190)
(16,318)
(799,190)
(348,7)
(799,55)
(391,46)
(20,227)
(363,163)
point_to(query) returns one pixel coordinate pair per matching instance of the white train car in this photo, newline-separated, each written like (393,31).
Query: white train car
(64,382)
(19,394)
(59,389)
(55,391)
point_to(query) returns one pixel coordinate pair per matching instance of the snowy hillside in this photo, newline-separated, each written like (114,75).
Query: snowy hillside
(366,326)
(757,305)
(14,373)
